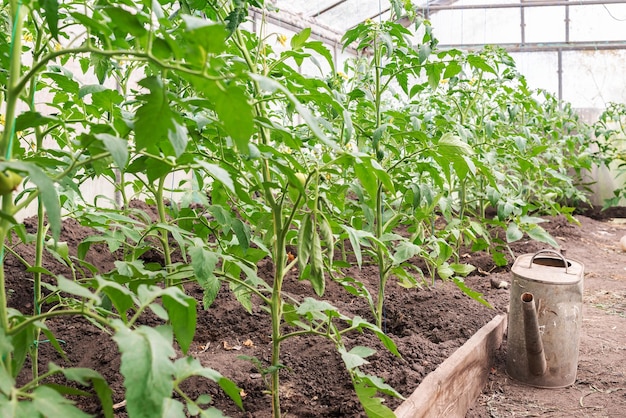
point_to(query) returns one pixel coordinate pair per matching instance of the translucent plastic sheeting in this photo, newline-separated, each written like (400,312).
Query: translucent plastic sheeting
(339,15)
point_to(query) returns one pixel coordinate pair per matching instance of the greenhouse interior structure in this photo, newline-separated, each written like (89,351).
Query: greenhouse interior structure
(322,208)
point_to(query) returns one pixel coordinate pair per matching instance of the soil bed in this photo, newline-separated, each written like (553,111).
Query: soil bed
(427,325)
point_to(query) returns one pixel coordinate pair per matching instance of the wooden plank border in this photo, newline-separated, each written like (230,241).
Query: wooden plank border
(453,387)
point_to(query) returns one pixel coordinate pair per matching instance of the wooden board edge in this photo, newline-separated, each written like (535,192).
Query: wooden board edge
(453,387)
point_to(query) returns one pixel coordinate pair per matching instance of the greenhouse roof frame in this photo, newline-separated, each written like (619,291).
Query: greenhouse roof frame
(329,19)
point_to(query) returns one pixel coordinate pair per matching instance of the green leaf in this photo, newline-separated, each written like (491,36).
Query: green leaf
(235,114)
(539,234)
(513,233)
(355,242)
(146,367)
(477,296)
(452,146)
(209,35)
(444,271)
(187,366)
(423,52)
(317,266)
(310,305)
(53,341)
(361,323)
(305,240)
(100,65)
(219,174)
(30,119)
(173,409)
(300,38)
(462,269)
(203,263)
(434,75)
(378,383)
(404,251)
(23,409)
(120,296)
(372,405)
(90,89)
(383,176)
(356,356)
(363,172)
(6,380)
(178,138)
(126,21)
(154,118)
(117,147)
(51,403)
(321,49)
(183,319)
(63,80)
(85,377)
(237,16)
(499,258)
(76,289)
(352,360)
(479,63)
(326,234)
(242,232)
(51,13)
(453,68)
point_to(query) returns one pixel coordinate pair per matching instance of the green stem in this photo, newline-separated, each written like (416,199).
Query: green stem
(17,11)
(382,275)
(382,270)
(18,328)
(39,246)
(142,56)
(164,234)
(276,310)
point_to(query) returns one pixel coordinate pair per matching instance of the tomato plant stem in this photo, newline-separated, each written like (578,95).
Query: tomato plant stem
(40,242)
(167,256)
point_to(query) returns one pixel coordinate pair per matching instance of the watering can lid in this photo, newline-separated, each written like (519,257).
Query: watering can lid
(548,266)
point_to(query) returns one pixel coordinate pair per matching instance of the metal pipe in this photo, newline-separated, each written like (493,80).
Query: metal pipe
(515,5)
(522,25)
(543,46)
(296,23)
(567,20)
(534,346)
(329,8)
(560,74)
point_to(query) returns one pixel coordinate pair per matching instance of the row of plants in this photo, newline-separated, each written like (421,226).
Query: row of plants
(407,152)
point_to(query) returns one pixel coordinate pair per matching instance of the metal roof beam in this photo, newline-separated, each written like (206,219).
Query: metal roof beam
(543,46)
(329,8)
(520,5)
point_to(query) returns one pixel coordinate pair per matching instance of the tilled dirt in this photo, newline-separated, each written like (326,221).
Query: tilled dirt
(427,325)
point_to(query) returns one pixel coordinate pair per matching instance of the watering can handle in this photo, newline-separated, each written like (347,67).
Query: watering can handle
(551,252)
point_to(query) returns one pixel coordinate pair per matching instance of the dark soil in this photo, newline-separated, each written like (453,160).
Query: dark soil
(427,324)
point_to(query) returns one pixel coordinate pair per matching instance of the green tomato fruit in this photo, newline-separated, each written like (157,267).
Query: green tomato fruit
(301,178)
(9,181)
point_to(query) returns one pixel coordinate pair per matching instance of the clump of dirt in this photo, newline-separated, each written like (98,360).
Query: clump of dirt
(427,324)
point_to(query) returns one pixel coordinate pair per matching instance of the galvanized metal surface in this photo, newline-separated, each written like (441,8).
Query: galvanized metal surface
(555,286)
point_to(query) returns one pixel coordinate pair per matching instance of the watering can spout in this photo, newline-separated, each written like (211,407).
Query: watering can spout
(534,344)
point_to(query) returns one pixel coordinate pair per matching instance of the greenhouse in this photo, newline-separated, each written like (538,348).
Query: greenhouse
(324,208)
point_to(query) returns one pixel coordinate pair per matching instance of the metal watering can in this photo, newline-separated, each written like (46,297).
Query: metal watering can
(545,318)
